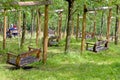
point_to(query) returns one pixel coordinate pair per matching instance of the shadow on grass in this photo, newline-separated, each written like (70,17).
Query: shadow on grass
(24,67)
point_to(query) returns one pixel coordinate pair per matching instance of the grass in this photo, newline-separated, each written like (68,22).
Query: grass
(104,65)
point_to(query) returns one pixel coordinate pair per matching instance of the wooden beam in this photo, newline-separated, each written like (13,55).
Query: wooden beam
(32,3)
(81,17)
(2,10)
(59,10)
(100,8)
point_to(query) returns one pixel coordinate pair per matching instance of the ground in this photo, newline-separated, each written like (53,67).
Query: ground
(104,65)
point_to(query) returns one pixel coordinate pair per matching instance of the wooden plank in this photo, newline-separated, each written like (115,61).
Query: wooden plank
(32,3)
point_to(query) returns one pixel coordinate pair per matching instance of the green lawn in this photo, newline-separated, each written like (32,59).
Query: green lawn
(104,65)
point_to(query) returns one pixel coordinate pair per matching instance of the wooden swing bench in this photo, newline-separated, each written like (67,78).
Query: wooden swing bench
(98,46)
(53,41)
(33,55)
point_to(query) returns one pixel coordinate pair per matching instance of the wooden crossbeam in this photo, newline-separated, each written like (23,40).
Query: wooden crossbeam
(2,10)
(80,17)
(59,10)
(100,8)
(32,3)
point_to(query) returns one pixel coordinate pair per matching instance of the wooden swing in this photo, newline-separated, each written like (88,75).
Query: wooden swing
(20,60)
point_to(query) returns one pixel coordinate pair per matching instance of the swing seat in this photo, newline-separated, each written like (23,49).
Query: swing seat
(33,55)
(98,46)
(53,41)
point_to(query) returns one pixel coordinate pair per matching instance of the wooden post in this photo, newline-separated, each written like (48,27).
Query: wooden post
(59,26)
(83,29)
(45,39)
(94,27)
(108,25)
(4,30)
(77,29)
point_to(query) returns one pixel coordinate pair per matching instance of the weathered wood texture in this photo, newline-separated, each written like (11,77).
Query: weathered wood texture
(98,46)
(23,59)
(32,3)
(53,41)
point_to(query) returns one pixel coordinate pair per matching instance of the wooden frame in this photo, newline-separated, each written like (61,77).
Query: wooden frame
(84,23)
(32,3)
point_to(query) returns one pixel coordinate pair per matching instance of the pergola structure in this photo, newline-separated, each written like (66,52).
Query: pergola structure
(31,3)
(84,23)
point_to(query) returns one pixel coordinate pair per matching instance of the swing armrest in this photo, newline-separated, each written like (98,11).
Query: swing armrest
(30,48)
(90,43)
(10,55)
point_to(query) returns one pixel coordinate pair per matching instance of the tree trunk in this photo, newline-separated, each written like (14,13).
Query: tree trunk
(72,31)
(32,24)
(23,30)
(45,39)
(4,30)
(19,26)
(38,27)
(116,25)
(83,29)
(77,29)
(69,24)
